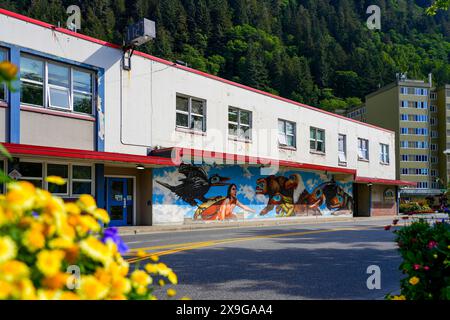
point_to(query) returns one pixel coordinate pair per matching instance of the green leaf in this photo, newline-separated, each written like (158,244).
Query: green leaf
(5,152)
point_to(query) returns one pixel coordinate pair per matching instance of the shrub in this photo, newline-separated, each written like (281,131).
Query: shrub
(425,250)
(41,238)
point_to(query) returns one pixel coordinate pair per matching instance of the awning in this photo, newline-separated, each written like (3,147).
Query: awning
(384,181)
(421,192)
(99,157)
(201,156)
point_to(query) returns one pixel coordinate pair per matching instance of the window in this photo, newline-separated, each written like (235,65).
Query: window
(384,156)
(433,173)
(66,88)
(433,147)
(433,96)
(342,146)
(81,180)
(422,185)
(190,113)
(239,123)
(363,149)
(32,78)
(3,57)
(434,159)
(433,108)
(31,172)
(59,170)
(317,140)
(286,133)
(433,121)
(434,134)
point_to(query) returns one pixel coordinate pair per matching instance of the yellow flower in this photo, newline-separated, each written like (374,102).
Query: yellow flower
(96,250)
(120,286)
(402,297)
(13,270)
(101,214)
(7,70)
(414,281)
(92,289)
(26,290)
(171,293)
(44,294)
(49,262)
(87,203)
(60,243)
(55,282)
(67,295)
(72,208)
(8,249)
(88,223)
(141,290)
(161,282)
(151,268)
(6,290)
(21,195)
(141,253)
(172,277)
(163,269)
(56,180)
(154,258)
(140,278)
(33,240)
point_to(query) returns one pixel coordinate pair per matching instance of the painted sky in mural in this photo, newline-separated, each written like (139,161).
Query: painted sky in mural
(235,192)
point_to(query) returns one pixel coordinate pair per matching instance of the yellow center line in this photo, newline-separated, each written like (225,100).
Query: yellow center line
(175,248)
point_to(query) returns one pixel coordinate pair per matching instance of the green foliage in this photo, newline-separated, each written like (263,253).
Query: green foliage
(415,207)
(299,49)
(425,250)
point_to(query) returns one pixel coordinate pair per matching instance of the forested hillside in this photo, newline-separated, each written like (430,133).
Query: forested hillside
(318,52)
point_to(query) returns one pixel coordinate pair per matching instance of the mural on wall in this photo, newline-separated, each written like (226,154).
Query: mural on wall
(239,192)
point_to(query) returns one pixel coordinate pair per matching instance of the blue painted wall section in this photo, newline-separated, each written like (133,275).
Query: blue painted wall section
(241,193)
(100,112)
(100,188)
(14,100)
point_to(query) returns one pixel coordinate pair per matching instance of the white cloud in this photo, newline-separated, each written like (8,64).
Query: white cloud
(247,191)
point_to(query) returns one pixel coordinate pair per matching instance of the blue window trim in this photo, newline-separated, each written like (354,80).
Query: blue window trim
(14,96)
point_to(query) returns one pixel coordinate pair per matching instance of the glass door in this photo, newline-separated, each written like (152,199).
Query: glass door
(119,201)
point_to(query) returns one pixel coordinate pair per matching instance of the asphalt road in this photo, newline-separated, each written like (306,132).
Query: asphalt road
(319,261)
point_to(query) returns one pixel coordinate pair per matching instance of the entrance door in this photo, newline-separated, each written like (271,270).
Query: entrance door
(119,201)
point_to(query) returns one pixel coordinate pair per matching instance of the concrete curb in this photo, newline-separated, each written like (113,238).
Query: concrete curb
(126,231)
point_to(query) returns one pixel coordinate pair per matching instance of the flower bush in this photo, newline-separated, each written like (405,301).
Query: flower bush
(425,249)
(43,240)
(415,208)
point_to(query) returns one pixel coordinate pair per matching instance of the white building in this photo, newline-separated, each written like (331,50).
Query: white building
(115,133)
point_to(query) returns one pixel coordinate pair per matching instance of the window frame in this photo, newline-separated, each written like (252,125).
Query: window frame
(360,149)
(46,86)
(285,134)
(316,140)
(344,152)
(384,154)
(43,173)
(46,183)
(5,87)
(239,124)
(189,113)
(72,179)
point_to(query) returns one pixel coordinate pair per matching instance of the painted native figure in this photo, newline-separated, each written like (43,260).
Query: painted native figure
(281,194)
(328,193)
(195,184)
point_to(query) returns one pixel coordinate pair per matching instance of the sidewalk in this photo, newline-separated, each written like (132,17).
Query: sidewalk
(204,225)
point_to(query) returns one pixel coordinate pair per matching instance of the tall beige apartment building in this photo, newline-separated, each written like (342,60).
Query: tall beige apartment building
(419,114)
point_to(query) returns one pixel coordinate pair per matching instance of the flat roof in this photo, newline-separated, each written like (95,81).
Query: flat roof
(175,65)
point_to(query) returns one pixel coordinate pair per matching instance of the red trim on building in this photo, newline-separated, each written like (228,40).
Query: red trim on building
(22,149)
(58,113)
(3,104)
(227,158)
(169,63)
(385,181)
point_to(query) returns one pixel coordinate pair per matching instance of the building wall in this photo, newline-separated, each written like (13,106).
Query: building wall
(382,202)
(286,194)
(56,131)
(3,124)
(444,132)
(140,107)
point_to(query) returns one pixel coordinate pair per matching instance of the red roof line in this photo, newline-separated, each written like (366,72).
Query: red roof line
(384,181)
(23,149)
(169,63)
